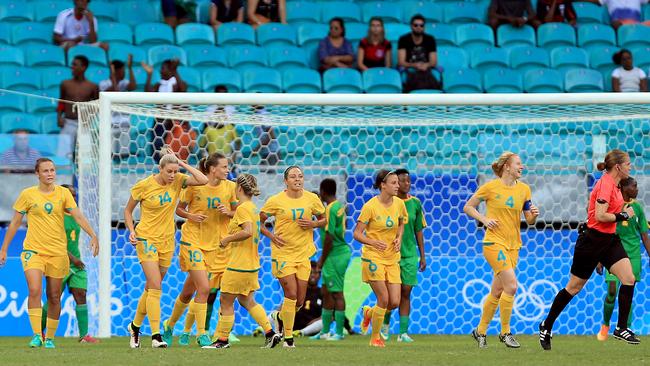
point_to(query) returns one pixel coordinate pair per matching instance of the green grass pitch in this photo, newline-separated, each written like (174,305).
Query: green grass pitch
(427,350)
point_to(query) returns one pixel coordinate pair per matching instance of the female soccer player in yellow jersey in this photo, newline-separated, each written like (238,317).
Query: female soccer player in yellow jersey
(208,209)
(505,198)
(45,249)
(154,236)
(292,244)
(380,227)
(240,281)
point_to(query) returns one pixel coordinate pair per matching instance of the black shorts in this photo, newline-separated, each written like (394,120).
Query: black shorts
(593,247)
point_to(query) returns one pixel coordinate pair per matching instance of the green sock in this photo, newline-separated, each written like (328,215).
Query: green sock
(608,306)
(339,317)
(326,317)
(82,319)
(208,316)
(44,317)
(403,324)
(387,317)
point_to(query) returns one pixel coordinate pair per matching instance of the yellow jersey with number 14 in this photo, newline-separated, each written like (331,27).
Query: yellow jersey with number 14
(244,255)
(382,223)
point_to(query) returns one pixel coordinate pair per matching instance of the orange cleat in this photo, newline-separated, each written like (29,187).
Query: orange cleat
(367,317)
(377,343)
(88,339)
(603,333)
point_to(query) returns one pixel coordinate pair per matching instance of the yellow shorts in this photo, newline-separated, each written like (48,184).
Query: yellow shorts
(215,279)
(499,257)
(371,271)
(195,259)
(51,266)
(281,269)
(239,282)
(149,251)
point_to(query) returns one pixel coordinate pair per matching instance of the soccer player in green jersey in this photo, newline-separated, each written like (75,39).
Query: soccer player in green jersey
(412,244)
(631,232)
(77,279)
(333,262)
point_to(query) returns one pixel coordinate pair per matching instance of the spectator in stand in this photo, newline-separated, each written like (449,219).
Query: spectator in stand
(417,56)
(334,50)
(549,11)
(220,136)
(513,12)
(626,77)
(374,50)
(121,122)
(226,11)
(623,11)
(21,154)
(266,11)
(76,26)
(178,11)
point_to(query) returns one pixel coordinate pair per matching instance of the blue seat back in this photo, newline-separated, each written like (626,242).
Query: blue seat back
(158,54)
(194,33)
(300,12)
(301,80)
(527,58)
(222,76)
(262,79)
(583,81)
(151,34)
(27,33)
(387,11)
(503,80)
(462,81)
(235,34)
(340,80)
(113,33)
(543,81)
(203,56)
(348,11)
(96,55)
(276,34)
(382,80)
(551,35)
(509,36)
(241,57)
(284,58)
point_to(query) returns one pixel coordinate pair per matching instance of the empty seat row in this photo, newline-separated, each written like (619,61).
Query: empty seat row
(10,122)
(129,12)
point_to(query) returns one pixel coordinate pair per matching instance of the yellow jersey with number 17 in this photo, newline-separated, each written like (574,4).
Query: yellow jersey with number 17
(244,255)
(382,223)
(299,242)
(157,207)
(504,204)
(45,219)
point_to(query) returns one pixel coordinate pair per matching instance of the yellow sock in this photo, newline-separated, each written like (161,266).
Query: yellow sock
(51,326)
(35,319)
(224,326)
(141,310)
(179,309)
(288,316)
(259,315)
(505,304)
(377,320)
(200,311)
(490,305)
(153,310)
(189,318)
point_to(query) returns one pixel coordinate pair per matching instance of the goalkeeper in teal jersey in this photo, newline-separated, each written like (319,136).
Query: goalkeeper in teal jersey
(412,253)
(333,262)
(632,233)
(77,279)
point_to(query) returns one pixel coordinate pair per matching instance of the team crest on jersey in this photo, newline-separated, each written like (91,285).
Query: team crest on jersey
(498,196)
(378,218)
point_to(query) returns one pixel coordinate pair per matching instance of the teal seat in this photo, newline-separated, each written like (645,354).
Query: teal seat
(462,81)
(221,76)
(645,10)
(600,58)
(596,35)
(382,80)
(52,76)
(473,36)
(528,58)
(10,102)
(141,77)
(633,36)
(486,58)
(348,11)
(115,33)
(340,80)
(607,80)
(47,11)
(204,56)
(192,78)
(136,13)
(119,51)
(432,12)
(583,81)
(551,35)
(543,81)
(452,58)
(242,57)
(312,55)
(311,34)
(235,34)
(104,11)
(261,80)
(276,34)
(510,36)
(301,80)
(27,33)
(284,58)
(300,12)
(11,56)
(464,12)
(97,74)
(16,11)
(23,79)
(389,12)
(151,34)
(43,105)
(589,13)
(194,33)
(445,34)
(158,54)
(502,80)
(203,12)
(564,58)
(394,31)
(11,122)
(5,33)
(96,55)
(49,124)
(642,58)
(355,32)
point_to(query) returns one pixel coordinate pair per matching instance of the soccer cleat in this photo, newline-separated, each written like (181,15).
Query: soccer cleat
(335,337)
(277,322)
(289,343)
(509,340)
(297,333)
(37,341)
(134,333)
(232,338)
(405,338)
(157,341)
(168,333)
(184,339)
(218,344)
(203,340)
(319,336)
(88,339)
(626,335)
(49,343)
(603,334)
(258,332)
(545,337)
(365,322)
(481,339)
(272,339)
(377,343)
(384,332)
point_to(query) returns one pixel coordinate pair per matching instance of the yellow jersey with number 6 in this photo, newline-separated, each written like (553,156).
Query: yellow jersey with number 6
(382,223)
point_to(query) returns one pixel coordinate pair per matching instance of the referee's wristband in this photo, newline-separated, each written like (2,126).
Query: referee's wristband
(622,216)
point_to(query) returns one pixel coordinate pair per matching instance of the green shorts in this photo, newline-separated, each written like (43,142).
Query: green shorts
(636,269)
(409,270)
(77,278)
(334,271)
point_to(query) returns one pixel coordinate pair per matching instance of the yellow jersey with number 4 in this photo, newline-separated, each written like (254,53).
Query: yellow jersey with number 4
(244,255)
(45,219)
(382,223)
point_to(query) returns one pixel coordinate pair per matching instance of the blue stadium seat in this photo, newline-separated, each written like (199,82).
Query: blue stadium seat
(595,36)
(564,58)
(633,36)
(471,36)
(44,55)
(339,80)
(97,74)
(393,31)
(194,33)
(134,13)
(301,12)
(42,105)
(27,33)
(96,55)
(203,12)
(16,11)
(204,56)
(583,81)
(24,79)
(312,55)
(645,10)
(445,34)
(387,11)
(432,12)
(509,36)
(104,11)
(301,80)
(589,13)
(49,124)
(158,54)
(52,76)
(113,33)
(141,77)
(349,12)
(551,35)
(241,57)
(607,80)
(601,58)
(11,56)
(5,33)
(261,80)
(502,80)
(527,58)
(284,58)
(452,58)
(276,34)
(234,34)
(464,12)
(311,34)
(486,58)
(543,81)
(354,32)
(11,122)
(10,102)
(641,57)
(382,80)
(151,34)
(221,76)
(119,51)
(47,11)
(191,77)
(462,81)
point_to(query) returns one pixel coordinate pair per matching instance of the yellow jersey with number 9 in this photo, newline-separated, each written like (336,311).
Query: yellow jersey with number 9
(45,219)
(299,242)
(244,256)
(504,204)
(382,223)
(157,207)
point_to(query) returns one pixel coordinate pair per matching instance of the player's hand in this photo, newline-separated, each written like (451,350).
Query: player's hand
(90,16)
(599,269)
(129,61)
(197,217)
(378,244)
(423,264)
(147,68)
(223,209)
(491,223)
(397,244)
(174,64)
(305,224)
(3,258)
(629,210)
(94,245)
(77,262)
(132,239)
(223,244)
(534,210)
(278,241)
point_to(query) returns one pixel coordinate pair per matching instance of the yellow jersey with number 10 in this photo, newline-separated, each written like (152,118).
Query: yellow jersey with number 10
(382,223)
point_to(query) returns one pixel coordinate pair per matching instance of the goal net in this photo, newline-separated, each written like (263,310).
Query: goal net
(447,142)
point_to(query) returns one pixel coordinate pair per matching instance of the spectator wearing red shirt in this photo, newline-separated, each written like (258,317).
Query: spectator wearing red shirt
(374,50)
(549,11)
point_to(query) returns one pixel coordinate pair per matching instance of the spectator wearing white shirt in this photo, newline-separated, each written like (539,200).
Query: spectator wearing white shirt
(76,26)
(623,11)
(626,77)
(121,122)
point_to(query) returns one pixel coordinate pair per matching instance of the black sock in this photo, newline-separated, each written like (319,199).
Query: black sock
(270,333)
(625,295)
(157,337)
(134,328)
(561,300)
(289,341)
